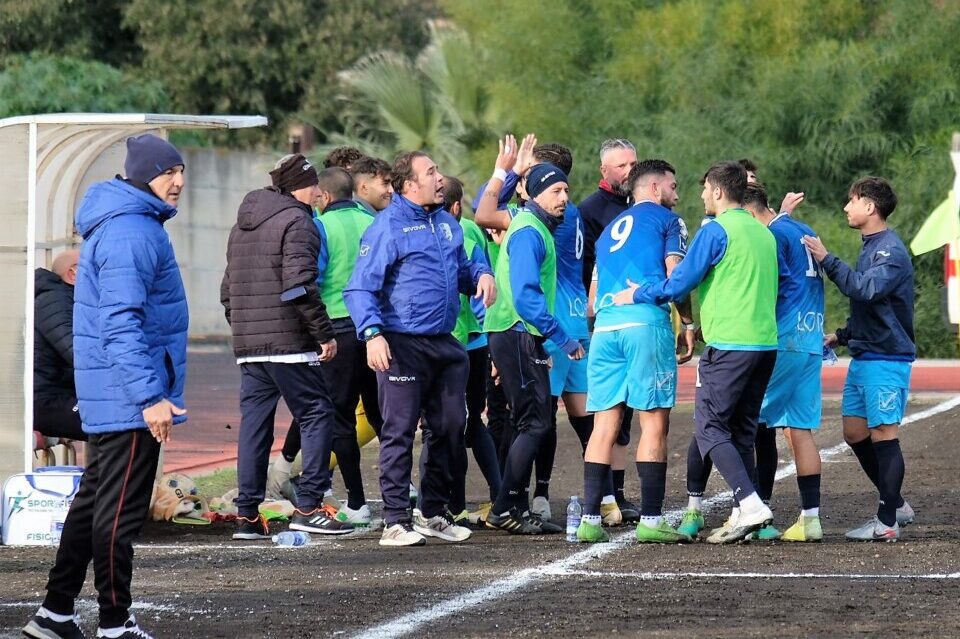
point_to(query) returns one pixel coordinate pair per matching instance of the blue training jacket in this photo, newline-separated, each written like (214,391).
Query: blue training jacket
(881,299)
(410,272)
(130,310)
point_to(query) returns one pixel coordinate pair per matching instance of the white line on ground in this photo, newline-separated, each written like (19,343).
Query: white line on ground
(409,623)
(658,576)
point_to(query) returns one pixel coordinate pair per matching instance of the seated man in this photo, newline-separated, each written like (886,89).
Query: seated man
(54,394)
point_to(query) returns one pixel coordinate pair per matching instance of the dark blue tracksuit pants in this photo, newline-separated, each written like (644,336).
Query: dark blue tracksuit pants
(522,363)
(428,375)
(727,413)
(262,384)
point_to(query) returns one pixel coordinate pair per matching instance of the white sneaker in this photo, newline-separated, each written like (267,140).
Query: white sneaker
(541,506)
(129,630)
(874,530)
(359,517)
(440,526)
(905,514)
(739,527)
(401,534)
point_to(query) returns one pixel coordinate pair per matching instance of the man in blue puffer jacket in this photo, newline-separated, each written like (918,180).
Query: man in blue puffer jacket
(130,353)
(404,298)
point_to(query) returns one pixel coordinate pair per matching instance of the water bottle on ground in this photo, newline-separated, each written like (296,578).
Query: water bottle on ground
(829,356)
(574,512)
(292,538)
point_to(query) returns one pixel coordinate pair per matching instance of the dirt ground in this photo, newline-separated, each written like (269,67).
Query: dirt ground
(197,582)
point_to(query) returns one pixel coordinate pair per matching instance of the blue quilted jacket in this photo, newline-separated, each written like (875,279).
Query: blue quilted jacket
(130,309)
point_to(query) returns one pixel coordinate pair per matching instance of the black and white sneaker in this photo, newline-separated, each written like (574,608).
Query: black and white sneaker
(43,627)
(251,529)
(513,522)
(320,521)
(129,630)
(546,526)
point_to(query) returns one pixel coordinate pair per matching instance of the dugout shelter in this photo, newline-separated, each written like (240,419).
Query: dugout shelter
(47,162)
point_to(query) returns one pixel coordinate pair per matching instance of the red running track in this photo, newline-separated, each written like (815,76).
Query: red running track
(209,438)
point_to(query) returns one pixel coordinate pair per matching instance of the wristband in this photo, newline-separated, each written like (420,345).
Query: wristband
(499,174)
(688,327)
(370,333)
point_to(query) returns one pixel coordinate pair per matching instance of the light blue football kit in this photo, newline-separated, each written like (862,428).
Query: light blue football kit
(793,396)
(632,358)
(568,375)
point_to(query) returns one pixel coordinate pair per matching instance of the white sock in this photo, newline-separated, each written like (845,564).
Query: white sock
(751,503)
(811,512)
(43,612)
(695,503)
(608,499)
(651,522)
(593,520)
(283,465)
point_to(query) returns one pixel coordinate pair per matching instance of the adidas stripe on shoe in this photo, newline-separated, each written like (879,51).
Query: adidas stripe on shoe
(320,521)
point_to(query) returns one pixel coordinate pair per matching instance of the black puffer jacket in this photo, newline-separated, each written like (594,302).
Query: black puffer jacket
(52,337)
(273,250)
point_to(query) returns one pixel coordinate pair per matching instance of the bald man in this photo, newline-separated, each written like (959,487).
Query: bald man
(54,394)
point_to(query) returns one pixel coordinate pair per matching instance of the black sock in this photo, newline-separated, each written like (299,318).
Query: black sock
(458,484)
(594,486)
(515,487)
(619,478)
(608,488)
(698,470)
(485,453)
(544,463)
(809,486)
(867,457)
(291,443)
(891,470)
(347,451)
(653,487)
(730,463)
(583,427)
(767,460)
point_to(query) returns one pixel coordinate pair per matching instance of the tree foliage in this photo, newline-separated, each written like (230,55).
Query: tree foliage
(274,58)
(36,84)
(817,92)
(86,29)
(435,103)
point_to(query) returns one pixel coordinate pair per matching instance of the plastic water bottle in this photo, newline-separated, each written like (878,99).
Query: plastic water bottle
(574,512)
(292,538)
(829,356)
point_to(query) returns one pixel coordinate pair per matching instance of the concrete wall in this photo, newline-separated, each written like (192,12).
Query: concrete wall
(215,186)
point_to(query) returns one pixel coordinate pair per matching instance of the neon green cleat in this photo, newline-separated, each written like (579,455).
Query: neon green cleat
(767,533)
(806,529)
(692,523)
(663,533)
(591,533)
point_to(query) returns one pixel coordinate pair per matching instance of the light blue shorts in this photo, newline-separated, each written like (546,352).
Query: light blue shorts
(635,365)
(877,391)
(567,375)
(794,392)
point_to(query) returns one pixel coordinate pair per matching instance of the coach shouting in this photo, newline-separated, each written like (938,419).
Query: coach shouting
(404,297)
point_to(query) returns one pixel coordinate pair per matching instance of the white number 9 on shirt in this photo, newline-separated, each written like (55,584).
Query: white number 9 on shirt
(621,232)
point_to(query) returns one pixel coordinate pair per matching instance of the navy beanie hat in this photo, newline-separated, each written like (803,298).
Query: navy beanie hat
(148,156)
(541,177)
